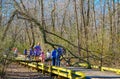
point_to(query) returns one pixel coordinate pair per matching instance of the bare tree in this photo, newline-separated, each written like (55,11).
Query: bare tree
(103,31)
(94,25)
(0,12)
(77,27)
(27,31)
(53,13)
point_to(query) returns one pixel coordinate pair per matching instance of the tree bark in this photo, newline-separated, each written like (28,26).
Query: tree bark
(0,13)
(77,27)
(103,32)
(27,31)
(33,36)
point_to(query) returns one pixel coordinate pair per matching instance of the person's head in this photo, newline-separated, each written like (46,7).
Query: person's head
(42,52)
(55,48)
(48,50)
(38,43)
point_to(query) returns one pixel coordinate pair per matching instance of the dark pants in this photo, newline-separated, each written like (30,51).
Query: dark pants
(53,61)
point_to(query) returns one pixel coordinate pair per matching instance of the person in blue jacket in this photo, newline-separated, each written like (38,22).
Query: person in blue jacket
(31,53)
(58,55)
(37,50)
(54,56)
(25,53)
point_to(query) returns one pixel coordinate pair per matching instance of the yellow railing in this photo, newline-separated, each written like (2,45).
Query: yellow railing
(60,71)
(110,69)
(102,68)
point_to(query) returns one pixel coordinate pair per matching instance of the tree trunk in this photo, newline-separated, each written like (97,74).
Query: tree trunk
(77,27)
(0,13)
(103,32)
(53,17)
(27,31)
(111,44)
(33,36)
(82,19)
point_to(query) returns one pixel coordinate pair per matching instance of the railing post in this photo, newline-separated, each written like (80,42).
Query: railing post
(43,70)
(118,72)
(37,66)
(27,63)
(50,68)
(70,74)
(101,69)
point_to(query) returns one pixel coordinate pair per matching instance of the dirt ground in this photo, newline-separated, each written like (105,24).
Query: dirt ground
(16,71)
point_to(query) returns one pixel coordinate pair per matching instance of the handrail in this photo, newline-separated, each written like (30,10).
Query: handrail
(110,69)
(63,72)
(102,68)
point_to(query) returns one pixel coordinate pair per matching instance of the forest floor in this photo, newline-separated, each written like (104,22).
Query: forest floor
(16,71)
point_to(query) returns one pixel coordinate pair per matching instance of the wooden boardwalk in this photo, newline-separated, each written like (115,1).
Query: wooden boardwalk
(91,73)
(16,71)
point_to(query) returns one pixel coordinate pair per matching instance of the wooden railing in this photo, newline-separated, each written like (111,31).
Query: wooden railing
(60,71)
(102,68)
(53,70)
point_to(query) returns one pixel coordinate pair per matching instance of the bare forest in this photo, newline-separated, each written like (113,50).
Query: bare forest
(89,30)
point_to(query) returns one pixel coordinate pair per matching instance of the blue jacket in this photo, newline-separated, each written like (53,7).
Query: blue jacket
(59,52)
(25,52)
(31,52)
(54,52)
(37,50)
